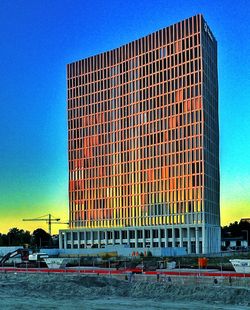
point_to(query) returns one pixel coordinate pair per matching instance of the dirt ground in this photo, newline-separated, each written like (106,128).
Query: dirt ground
(67,291)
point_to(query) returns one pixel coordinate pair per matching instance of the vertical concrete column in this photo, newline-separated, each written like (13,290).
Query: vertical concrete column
(65,240)
(166,237)
(204,240)
(128,237)
(78,240)
(159,238)
(151,237)
(136,239)
(181,237)
(173,237)
(218,241)
(143,238)
(113,237)
(92,237)
(99,238)
(197,240)
(85,238)
(60,240)
(209,240)
(188,240)
(120,236)
(71,239)
(106,237)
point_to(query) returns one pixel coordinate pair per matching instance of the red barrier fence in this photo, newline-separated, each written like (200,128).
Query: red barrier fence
(126,271)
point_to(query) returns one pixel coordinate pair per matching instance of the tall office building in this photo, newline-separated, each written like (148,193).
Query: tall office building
(143,143)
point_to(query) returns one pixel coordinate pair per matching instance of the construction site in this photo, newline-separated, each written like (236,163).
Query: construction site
(111,289)
(120,276)
(135,281)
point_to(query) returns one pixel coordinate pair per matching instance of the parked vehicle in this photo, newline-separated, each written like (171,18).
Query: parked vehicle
(27,259)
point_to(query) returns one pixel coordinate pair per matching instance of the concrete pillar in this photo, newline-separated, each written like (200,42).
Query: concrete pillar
(218,235)
(92,237)
(99,238)
(113,237)
(78,240)
(173,237)
(65,240)
(71,240)
(143,238)
(188,241)
(106,237)
(181,237)
(151,237)
(128,237)
(197,240)
(204,240)
(136,239)
(159,238)
(60,240)
(85,238)
(166,237)
(120,236)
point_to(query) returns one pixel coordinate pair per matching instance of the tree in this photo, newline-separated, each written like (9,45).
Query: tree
(16,236)
(3,240)
(236,230)
(40,238)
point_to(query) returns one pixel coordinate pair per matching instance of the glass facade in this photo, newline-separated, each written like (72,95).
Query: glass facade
(143,141)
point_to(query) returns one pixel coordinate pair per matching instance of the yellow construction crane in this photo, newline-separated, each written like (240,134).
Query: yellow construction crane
(49,220)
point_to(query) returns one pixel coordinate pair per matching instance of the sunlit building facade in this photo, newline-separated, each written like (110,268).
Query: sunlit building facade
(143,143)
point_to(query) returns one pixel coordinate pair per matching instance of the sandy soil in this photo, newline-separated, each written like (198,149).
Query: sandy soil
(67,291)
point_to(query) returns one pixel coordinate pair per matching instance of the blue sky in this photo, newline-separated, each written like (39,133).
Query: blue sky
(38,39)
